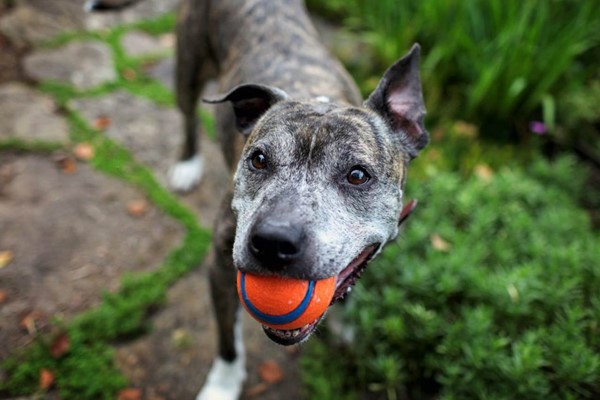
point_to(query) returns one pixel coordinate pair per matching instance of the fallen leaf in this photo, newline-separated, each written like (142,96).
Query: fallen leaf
(129,394)
(465,129)
(132,359)
(513,292)
(29,322)
(46,378)
(60,345)
(484,172)
(167,40)
(438,243)
(292,351)
(129,74)
(137,208)
(270,372)
(68,167)
(66,164)
(2,296)
(102,122)
(181,339)
(438,134)
(256,390)
(84,151)
(6,257)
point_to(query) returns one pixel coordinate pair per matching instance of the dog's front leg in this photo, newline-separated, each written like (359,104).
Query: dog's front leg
(228,372)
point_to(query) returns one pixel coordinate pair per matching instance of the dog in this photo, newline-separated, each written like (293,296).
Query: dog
(317,174)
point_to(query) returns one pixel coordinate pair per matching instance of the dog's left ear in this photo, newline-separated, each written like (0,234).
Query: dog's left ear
(398,98)
(250,102)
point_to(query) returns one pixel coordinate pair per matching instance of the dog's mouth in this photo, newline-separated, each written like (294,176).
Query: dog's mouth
(344,282)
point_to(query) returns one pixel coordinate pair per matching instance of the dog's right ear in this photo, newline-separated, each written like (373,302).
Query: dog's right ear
(250,102)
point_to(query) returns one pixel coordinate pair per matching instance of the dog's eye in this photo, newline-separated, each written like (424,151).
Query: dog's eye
(358,176)
(258,160)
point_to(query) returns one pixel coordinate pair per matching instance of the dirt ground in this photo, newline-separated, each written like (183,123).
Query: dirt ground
(68,234)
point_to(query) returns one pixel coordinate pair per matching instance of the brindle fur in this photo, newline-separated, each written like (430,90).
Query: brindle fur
(297,106)
(310,144)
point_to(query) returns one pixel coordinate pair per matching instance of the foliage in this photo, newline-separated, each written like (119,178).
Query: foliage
(492,63)
(493,291)
(579,114)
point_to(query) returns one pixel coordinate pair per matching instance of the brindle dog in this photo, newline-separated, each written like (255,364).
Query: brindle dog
(318,175)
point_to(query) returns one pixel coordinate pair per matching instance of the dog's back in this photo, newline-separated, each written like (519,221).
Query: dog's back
(272,43)
(275,43)
(318,191)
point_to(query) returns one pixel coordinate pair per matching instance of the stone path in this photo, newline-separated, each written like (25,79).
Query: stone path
(29,115)
(68,228)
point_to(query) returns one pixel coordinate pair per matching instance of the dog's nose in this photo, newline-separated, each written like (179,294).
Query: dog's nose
(275,244)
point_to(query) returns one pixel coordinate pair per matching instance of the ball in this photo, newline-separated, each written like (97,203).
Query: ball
(283,303)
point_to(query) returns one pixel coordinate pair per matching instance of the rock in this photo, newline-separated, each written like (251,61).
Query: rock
(150,132)
(142,10)
(82,64)
(139,44)
(34,22)
(28,115)
(164,72)
(72,240)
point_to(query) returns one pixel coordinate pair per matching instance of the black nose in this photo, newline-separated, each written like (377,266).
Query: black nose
(275,243)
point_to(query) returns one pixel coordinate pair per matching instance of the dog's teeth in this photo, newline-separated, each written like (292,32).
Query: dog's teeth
(349,289)
(283,333)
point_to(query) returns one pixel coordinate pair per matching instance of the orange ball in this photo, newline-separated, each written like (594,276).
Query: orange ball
(283,303)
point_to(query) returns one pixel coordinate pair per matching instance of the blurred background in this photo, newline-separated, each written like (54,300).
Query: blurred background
(492,290)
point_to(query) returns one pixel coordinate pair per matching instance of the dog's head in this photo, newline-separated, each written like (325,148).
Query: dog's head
(318,189)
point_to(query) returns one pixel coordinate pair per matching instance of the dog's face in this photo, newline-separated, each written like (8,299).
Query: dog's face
(318,189)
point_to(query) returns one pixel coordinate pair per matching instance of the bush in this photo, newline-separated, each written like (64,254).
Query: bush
(493,292)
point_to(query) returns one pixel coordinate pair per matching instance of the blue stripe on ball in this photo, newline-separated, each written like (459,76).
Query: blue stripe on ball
(277,319)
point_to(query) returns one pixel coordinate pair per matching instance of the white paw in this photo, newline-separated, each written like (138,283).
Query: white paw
(225,380)
(89,5)
(186,174)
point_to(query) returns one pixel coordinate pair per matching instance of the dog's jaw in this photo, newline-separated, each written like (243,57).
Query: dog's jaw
(345,280)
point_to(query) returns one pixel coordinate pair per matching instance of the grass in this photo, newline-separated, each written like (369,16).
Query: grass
(39,146)
(494,64)
(87,370)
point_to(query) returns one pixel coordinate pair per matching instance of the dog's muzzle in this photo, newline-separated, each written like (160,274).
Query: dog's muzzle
(273,243)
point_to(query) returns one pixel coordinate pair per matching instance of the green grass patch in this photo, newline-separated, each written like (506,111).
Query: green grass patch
(37,146)
(130,73)
(160,25)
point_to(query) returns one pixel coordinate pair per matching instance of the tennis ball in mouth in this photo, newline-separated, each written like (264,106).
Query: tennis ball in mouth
(283,303)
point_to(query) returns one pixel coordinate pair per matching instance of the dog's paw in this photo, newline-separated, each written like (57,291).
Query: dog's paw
(186,174)
(224,381)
